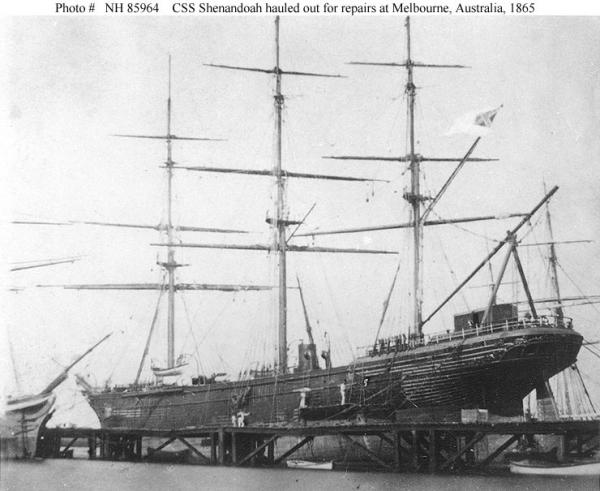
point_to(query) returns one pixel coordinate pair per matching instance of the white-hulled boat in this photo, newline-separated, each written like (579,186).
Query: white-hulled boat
(578,468)
(309,464)
(21,418)
(20,424)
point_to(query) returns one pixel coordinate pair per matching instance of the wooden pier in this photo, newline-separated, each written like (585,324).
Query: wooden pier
(415,447)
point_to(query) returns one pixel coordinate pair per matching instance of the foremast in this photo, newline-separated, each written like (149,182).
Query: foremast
(170,265)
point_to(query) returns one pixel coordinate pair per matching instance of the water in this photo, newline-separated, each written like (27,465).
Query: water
(106,475)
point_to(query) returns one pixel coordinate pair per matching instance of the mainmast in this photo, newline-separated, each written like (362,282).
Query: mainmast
(414,198)
(280,224)
(280,221)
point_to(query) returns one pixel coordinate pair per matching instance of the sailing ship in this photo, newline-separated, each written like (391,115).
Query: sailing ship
(20,424)
(24,416)
(492,358)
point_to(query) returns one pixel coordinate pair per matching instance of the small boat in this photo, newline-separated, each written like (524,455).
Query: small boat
(175,371)
(309,464)
(539,468)
(532,455)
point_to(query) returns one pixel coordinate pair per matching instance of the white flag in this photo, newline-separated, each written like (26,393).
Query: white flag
(476,123)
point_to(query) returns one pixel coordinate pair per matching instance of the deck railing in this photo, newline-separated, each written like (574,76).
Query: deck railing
(401,343)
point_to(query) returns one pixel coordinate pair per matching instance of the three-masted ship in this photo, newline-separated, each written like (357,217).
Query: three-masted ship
(492,358)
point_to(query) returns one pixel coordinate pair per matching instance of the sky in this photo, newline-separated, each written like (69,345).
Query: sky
(71,83)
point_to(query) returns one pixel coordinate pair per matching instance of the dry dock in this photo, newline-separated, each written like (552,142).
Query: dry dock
(416,447)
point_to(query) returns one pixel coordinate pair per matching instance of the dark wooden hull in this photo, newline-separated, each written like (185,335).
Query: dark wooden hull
(494,371)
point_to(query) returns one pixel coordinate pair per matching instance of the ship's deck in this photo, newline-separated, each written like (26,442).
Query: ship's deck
(526,325)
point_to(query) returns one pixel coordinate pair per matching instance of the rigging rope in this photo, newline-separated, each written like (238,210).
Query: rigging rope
(386,303)
(151,330)
(543,257)
(453,274)
(459,227)
(591,351)
(323,270)
(577,287)
(589,399)
(191,330)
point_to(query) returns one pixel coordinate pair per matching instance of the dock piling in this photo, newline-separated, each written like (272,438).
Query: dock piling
(408,446)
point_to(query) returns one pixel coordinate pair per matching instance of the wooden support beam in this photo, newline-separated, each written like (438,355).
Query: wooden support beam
(581,441)
(385,438)
(444,454)
(213,447)
(56,450)
(414,450)
(578,443)
(105,446)
(405,437)
(233,448)
(68,446)
(397,450)
(92,447)
(477,438)
(138,448)
(370,453)
(404,451)
(193,449)
(221,435)
(271,453)
(396,444)
(298,445)
(129,447)
(163,445)
(258,449)
(423,442)
(499,450)
(432,451)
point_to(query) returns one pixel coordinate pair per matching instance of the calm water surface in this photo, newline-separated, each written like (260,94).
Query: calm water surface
(116,476)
